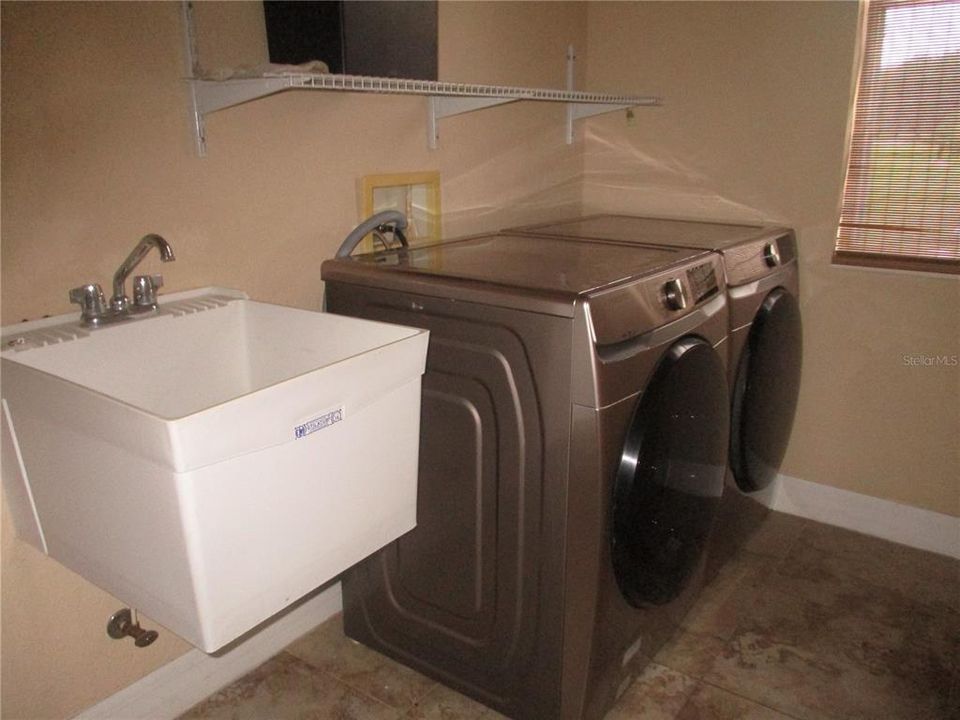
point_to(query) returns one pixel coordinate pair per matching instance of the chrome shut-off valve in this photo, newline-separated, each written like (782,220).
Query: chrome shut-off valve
(122,624)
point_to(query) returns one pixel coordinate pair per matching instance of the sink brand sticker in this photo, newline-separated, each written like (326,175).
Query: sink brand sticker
(321,422)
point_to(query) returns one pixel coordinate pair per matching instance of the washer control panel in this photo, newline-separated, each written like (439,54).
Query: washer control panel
(647,303)
(693,286)
(703,281)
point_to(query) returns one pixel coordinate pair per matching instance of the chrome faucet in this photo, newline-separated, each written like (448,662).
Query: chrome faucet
(95,312)
(120,302)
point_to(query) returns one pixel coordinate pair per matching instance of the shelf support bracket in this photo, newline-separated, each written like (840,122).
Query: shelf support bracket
(571,64)
(216,95)
(442,106)
(578,111)
(192,70)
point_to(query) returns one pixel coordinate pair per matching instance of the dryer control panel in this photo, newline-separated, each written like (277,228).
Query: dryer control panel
(752,260)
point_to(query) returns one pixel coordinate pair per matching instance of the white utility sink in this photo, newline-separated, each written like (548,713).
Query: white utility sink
(213,463)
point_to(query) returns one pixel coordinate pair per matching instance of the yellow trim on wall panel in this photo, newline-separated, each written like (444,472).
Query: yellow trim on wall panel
(419,195)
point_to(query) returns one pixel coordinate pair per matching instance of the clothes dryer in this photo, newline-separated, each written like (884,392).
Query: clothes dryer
(765,345)
(573,447)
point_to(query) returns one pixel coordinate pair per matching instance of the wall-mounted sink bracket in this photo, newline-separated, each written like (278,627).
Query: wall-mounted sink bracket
(122,625)
(444,99)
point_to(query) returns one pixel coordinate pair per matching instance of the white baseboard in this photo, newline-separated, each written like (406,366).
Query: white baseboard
(904,524)
(174,688)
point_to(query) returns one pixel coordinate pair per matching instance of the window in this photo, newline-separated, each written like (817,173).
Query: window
(901,199)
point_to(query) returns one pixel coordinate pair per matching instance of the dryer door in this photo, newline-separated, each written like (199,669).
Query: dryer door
(670,476)
(765,392)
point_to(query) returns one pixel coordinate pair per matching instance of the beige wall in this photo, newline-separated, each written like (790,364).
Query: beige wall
(756,98)
(97,152)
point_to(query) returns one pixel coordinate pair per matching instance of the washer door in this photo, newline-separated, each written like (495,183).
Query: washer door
(671,474)
(765,392)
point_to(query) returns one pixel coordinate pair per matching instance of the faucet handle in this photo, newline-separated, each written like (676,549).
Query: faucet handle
(145,290)
(91,302)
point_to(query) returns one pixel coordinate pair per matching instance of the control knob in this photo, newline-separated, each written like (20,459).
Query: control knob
(674,296)
(771,255)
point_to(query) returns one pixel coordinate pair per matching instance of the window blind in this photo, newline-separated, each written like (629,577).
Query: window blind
(901,198)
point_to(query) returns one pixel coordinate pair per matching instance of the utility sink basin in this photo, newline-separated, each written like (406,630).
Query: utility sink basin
(213,463)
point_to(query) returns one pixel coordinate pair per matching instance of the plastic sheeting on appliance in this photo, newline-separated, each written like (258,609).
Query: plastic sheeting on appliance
(604,172)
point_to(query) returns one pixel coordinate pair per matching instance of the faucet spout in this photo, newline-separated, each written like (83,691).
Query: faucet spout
(119,302)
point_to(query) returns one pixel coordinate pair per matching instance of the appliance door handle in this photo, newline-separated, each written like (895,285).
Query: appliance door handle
(760,286)
(626,349)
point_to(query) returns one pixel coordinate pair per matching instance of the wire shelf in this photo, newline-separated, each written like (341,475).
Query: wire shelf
(445,98)
(397,86)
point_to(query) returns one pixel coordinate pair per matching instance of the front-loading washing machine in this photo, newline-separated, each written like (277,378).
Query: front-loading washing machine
(573,447)
(765,345)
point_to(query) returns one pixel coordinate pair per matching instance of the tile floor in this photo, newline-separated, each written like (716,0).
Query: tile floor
(807,622)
